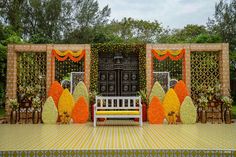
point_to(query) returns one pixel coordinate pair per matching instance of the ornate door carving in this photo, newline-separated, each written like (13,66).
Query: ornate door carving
(118,74)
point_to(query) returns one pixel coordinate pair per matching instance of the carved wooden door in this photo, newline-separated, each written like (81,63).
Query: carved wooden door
(118,74)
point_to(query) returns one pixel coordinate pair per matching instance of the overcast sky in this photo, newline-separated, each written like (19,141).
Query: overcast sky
(172,13)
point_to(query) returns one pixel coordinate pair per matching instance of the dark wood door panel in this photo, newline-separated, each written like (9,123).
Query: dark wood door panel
(118,75)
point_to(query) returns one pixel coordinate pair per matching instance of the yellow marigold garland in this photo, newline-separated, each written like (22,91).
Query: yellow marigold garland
(74,54)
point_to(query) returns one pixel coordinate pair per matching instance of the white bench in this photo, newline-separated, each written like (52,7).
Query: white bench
(117,107)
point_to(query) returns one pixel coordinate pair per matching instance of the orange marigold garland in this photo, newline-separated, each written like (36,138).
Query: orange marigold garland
(80,113)
(68,55)
(156,112)
(168,53)
(181,90)
(55,92)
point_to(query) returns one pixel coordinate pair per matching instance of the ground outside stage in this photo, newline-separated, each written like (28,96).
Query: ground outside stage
(118,138)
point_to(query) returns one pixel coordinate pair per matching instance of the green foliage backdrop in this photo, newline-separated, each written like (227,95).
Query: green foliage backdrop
(112,48)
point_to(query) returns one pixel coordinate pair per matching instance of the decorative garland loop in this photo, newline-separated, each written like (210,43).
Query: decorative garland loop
(74,56)
(173,55)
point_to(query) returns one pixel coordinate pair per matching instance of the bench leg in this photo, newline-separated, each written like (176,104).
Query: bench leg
(141,120)
(94,121)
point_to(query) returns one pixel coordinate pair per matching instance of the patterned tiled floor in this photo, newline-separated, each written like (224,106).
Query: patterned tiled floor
(116,136)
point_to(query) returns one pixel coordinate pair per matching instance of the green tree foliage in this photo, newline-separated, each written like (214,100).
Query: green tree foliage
(87,20)
(224,24)
(7,36)
(33,18)
(189,34)
(133,31)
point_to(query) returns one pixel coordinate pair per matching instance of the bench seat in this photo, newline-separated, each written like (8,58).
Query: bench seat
(117,112)
(117,107)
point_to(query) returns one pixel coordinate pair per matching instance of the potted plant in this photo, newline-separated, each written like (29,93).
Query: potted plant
(14,107)
(227,103)
(144,99)
(202,108)
(36,103)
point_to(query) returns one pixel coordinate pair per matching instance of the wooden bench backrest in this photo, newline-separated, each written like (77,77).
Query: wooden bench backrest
(110,102)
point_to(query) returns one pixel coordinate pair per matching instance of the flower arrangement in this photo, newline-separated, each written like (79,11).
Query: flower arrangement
(13,103)
(203,101)
(210,92)
(28,92)
(36,102)
(227,101)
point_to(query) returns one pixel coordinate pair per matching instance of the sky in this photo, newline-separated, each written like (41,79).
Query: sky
(172,13)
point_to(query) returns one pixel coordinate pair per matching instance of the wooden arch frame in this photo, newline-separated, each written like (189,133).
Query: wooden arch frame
(222,48)
(13,49)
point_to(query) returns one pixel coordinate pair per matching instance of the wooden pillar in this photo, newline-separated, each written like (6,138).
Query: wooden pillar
(149,70)
(224,69)
(50,67)
(187,71)
(11,88)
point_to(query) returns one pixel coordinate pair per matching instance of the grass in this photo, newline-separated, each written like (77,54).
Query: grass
(234,111)
(2,112)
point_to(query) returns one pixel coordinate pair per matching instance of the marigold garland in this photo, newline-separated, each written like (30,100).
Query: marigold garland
(68,55)
(173,55)
(74,54)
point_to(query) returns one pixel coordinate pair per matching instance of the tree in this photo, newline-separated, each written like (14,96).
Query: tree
(11,13)
(87,20)
(224,22)
(8,36)
(189,34)
(132,31)
(46,19)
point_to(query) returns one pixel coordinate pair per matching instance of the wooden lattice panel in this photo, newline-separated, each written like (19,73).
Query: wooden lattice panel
(31,70)
(205,71)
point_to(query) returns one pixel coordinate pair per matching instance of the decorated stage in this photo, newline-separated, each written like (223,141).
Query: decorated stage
(118,138)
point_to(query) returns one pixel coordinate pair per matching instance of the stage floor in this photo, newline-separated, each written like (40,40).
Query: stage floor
(117,138)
